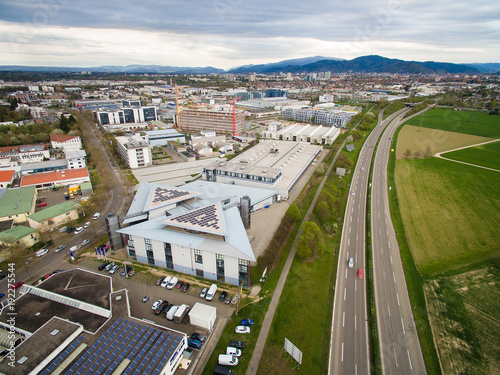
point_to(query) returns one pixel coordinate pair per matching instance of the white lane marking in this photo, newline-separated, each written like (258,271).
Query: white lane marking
(349,229)
(358,219)
(352,209)
(357,236)
(359,206)
(409,359)
(351,219)
(387,232)
(348,241)
(394,276)
(354,322)
(389,243)
(342,357)
(397,296)
(345,293)
(355,369)
(388,309)
(403,325)
(356,258)
(391,259)
(396,357)
(346,273)
(355,285)
(343,318)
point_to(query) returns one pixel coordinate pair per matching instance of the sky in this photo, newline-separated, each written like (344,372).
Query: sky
(230,33)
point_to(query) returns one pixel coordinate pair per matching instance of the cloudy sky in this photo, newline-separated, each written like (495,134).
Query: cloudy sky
(229,33)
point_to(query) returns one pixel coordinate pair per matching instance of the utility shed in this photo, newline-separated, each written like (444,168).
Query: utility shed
(203,316)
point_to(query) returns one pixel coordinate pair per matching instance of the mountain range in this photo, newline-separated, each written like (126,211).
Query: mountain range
(363,64)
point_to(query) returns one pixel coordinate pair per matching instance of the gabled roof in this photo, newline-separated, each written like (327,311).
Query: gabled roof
(62,137)
(44,178)
(6,175)
(15,234)
(206,219)
(17,201)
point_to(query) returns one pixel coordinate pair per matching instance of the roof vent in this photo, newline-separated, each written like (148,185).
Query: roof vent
(54,332)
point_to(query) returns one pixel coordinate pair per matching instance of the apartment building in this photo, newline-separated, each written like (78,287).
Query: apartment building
(135,151)
(219,121)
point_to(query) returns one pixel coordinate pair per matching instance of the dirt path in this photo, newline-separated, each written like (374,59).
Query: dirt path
(438,155)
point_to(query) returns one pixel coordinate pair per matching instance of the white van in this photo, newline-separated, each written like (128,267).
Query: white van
(233,351)
(228,360)
(165,281)
(171,312)
(181,313)
(172,283)
(211,292)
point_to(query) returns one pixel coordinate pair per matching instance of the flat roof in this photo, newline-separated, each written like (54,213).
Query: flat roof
(53,211)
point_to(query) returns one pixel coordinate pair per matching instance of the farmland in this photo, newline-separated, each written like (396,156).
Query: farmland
(473,123)
(419,139)
(487,155)
(450,212)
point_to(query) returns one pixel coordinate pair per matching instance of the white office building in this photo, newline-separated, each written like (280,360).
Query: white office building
(76,159)
(135,151)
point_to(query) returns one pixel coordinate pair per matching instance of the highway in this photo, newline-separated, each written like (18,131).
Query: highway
(398,337)
(349,345)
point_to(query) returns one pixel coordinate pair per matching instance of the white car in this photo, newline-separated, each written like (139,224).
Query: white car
(41,252)
(79,230)
(59,248)
(156,304)
(84,242)
(165,281)
(352,192)
(113,269)
(242,329)
(96,216)
(351,262)
(74,248)
(86,225)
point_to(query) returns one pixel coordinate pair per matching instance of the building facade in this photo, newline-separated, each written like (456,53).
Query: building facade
(221,122)
(126,115)
(135,151)
(66,142)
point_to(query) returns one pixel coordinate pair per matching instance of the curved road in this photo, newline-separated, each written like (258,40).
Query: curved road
(399,344)
(349,347)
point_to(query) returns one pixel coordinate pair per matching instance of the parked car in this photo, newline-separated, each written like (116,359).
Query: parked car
(86,225)
(162,306)
(84,242)
(198,336)
(156,304)
(227,301)
(126,270)
(113,269)
(2,275)
(158,282)
(171,312)
(70,229)
(74,248)
(96,216)
(59,248)
(103,266)
(109,266)
(16,285)
(179,284)
(242,329)
(233,351)
(203,292)
(196,344)
(172,283)
(185,288)
(79,230)
(165,281)
(223,296)
(246,322)
(2,295)
(43,204)
(131,273)
(351,262)
(237,344)
(360,273)
(145,299)
(41,252)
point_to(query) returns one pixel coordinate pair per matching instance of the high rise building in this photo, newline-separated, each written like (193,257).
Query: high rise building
(221,122)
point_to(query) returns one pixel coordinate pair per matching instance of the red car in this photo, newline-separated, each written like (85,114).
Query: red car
(43,204)
(16,285)
(360,273)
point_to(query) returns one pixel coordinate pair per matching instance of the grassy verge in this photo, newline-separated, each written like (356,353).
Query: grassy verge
(414,280)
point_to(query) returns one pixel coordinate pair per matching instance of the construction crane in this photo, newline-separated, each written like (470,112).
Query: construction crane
(233,102)
(178,122)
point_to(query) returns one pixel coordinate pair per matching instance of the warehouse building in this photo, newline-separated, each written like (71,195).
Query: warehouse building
(323,135)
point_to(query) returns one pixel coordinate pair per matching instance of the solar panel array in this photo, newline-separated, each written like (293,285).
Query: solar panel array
(161,194)
(206,217)
(147,348)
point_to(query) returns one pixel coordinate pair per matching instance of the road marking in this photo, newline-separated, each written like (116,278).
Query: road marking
(355,369)
(409,359)
(391,259)
(354,322)
(349,229)
(345,293)
(343,318)
(388,309)
(397,296)
(356,257)
(403,325)
(357,236)
(342,357)
(348,241)
(346,273)
(352,209)
(396,357)
(389,244)
(387,232)
(351,219)
(394,276)
(358,219)
(355,285)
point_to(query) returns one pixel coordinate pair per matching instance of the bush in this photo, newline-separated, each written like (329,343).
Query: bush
(311,242)
(293,213)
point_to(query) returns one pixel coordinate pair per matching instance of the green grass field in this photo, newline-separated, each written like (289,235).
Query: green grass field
(487,155)
(450,213)
(473,123)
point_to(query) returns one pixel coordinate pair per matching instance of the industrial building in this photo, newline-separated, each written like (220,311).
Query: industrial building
(270,164)
(135,151)
(162,137)
(323,135)
(219,121)
(329,114)
(196,229)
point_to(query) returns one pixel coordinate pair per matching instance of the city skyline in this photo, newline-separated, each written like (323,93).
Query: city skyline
(230,33)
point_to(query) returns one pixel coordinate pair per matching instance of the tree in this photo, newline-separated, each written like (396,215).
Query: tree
(407,153)
(64,124)
(293,213)
(311,242)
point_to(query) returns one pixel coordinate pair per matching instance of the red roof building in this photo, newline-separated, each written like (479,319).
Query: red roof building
(65,177)
(6,177)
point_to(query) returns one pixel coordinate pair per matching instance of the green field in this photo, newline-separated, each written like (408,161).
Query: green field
(450,212)
(465,318)
(487,155)
(473,123)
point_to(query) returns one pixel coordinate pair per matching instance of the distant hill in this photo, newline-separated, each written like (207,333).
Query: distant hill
(376,64)
(132,69)
(260,68)
(486,67)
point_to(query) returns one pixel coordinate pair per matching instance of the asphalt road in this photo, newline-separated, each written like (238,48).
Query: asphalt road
(398,337)
(349,348)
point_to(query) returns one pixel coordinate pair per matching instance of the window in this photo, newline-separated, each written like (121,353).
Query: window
(220,267)
(130,240)
(199,273)
(149,251)
(198,257)
(169,260)
(243,272)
